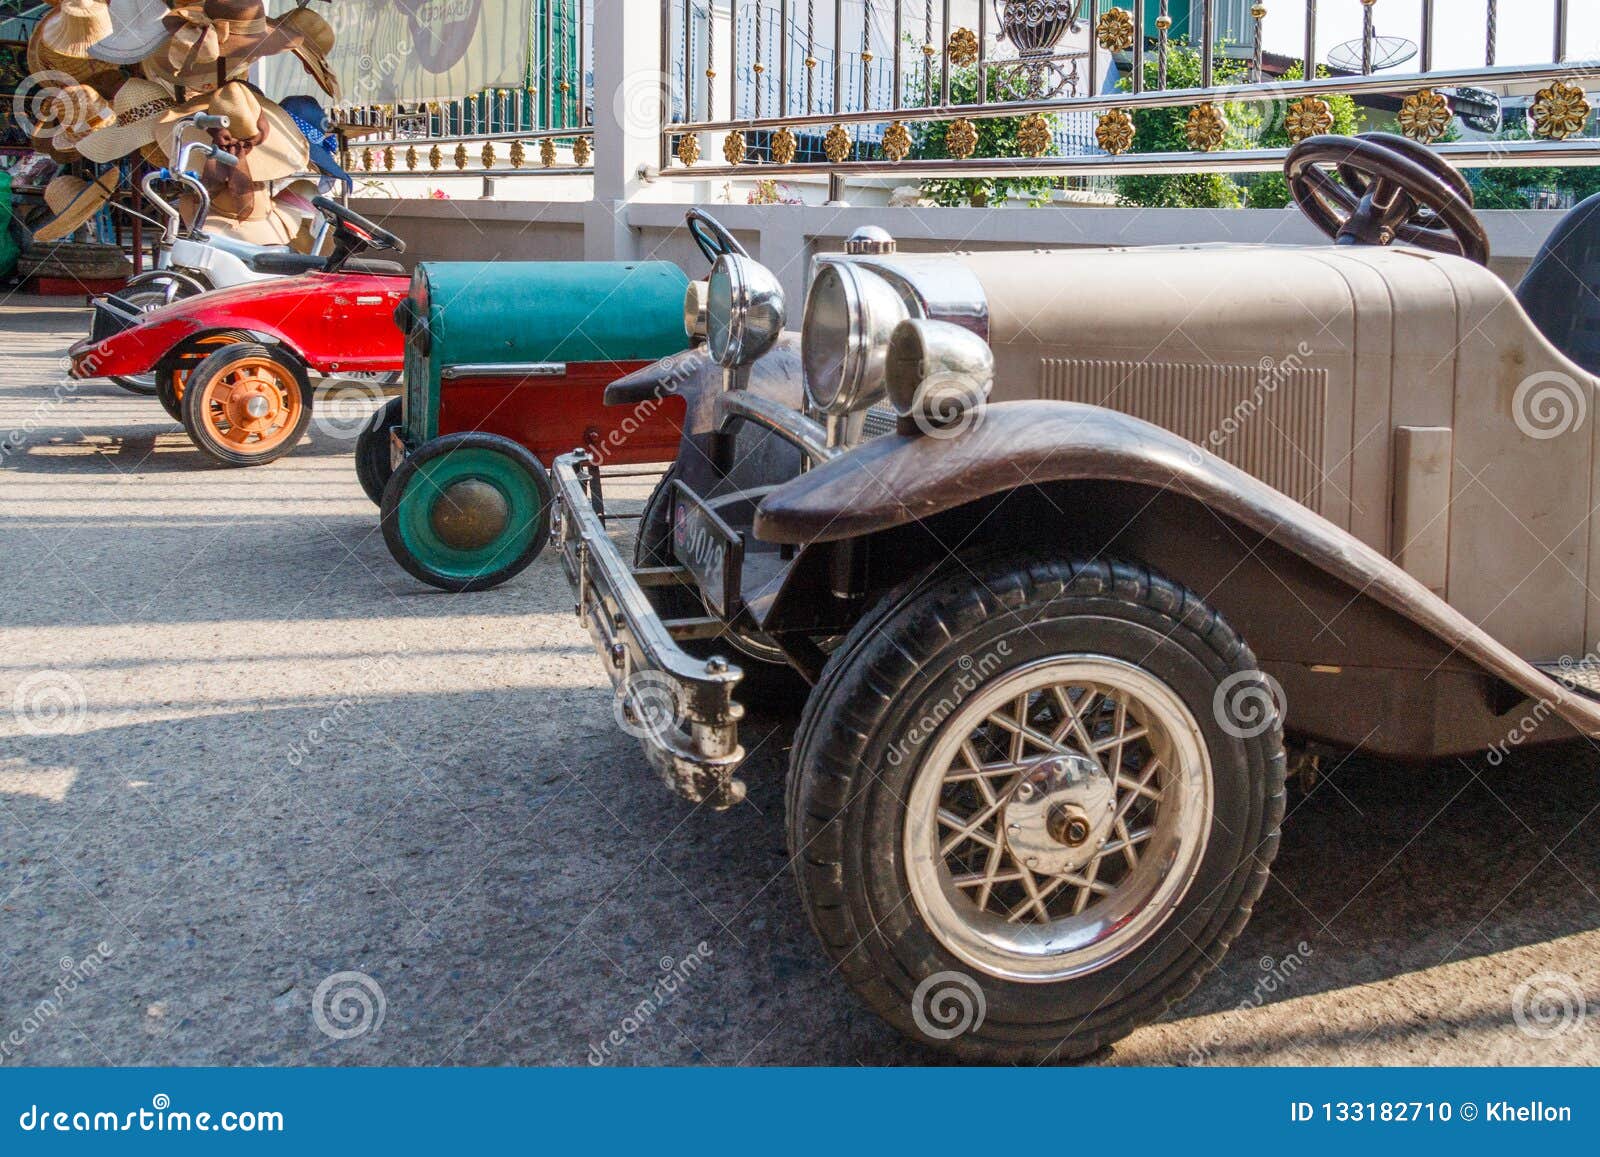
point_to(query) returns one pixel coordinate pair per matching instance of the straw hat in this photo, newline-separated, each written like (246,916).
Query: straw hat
(266,140)
(42,60)
(136,31)
(75,26)
(136,114)
(76,111)
(317,40)
(219,38)
(73,201)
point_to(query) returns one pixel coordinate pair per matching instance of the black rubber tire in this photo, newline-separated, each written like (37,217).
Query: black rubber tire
(218,362)
(404,476)
(372,450)
(766,684)
(845,806)
(183,360)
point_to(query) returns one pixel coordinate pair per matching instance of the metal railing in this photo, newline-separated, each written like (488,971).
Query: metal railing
(542,127)
(1040,62)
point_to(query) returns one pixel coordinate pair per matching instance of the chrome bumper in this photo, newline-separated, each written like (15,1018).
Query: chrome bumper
(680,708)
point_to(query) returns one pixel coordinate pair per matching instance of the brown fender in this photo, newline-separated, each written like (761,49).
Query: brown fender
(694,377)
(1183,493)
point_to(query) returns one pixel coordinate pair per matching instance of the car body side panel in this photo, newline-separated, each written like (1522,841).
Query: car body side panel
(898,480)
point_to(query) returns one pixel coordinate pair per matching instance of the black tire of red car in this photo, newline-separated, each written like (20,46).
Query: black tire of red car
(151,291)
(182,360)
(281,377)
(372,450)
(849,802)
(768,682)
(423,544)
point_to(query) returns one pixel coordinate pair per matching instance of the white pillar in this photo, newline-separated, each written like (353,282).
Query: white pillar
(630,91)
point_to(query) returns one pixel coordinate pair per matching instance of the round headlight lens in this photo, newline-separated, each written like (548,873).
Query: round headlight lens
(849,315)
(719,312)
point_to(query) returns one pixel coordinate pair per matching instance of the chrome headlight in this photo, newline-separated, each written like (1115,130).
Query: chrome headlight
(694,310)
(744,310)
(850,313)
(937,372)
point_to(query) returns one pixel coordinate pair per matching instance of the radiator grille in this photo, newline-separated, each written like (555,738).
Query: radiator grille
(1265,419)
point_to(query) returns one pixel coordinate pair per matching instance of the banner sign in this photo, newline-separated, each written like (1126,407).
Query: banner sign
(415,50)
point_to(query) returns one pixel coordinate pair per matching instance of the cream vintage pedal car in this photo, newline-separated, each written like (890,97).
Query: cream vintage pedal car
(1141,514)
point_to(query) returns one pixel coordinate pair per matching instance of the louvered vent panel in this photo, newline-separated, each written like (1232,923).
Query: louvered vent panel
(1264,419)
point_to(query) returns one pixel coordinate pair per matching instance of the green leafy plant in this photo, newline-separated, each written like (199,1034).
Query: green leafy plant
(1161,130)
(997,137)
(1271,190)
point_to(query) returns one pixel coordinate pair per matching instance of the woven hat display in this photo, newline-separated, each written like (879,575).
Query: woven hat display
(73,201)
(217,41)
(315,46)
(137,30)
(76,26)
(264,138)
(76,111)
(42,59)
(136,110)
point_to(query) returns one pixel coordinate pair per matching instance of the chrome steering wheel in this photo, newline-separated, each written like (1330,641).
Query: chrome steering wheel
(1390,189)
(711,236)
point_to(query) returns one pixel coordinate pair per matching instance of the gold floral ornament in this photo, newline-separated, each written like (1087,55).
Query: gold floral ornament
(963,46)
(783,146)
(435,157)
(896,142)
(689,149)
(582,151)
(1115,31)
(388,158)
(961,139)
(519,154)
(488,154)
(1560,111)
(733,147)
(1207,128)
(1115,132)
(1033,135)
(1425,116)
(836,145)
(547,152)
(411,156)
(1309,116)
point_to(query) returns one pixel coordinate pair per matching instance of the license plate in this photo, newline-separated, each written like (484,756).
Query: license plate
(711,550)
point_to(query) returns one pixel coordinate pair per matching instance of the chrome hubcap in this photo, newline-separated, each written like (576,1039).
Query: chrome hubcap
(1057,817)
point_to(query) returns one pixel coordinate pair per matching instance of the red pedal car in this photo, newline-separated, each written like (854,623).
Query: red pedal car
(235,365)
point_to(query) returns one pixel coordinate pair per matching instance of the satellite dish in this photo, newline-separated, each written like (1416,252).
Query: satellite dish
(1478,108)
(1387,52)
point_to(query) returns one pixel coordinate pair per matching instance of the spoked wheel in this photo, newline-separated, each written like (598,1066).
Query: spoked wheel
(172,373)
(1032,801)
(246,405)
(467,511)
(1059,818)
(153,294)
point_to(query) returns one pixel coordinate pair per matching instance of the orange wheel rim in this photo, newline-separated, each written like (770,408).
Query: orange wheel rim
(253,405)
(180,372)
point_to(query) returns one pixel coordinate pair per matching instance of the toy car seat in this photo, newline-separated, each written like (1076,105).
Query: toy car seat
(1561,292)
